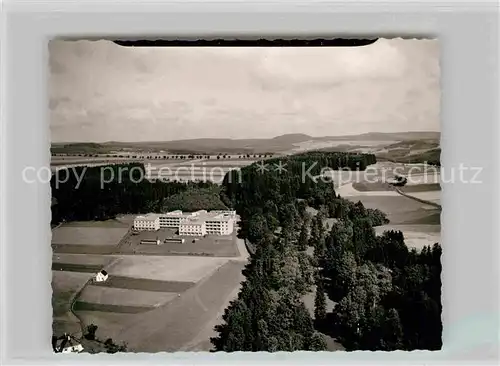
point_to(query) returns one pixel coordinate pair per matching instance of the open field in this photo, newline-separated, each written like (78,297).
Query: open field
(74,267)
(92,238)
(427,192)
(348,191)
(124,309)
(145,284)
(84,249)
(124,297)
(337,143)
(381,186)
(201,342)
(176,324)
(421,188)
(65,285)
(82,259)
(432,196)
(114,223)
(399,209)
(372,187)
(177,298)
(109,323)
(419,222)
(389,168)
(90,235)
(426,178)
(80,262)
(184,269)
(213,162)
(67,323)
(185,315)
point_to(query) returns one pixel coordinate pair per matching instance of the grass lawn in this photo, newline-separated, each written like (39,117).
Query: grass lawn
(183,269)
(93,234)
(124,297)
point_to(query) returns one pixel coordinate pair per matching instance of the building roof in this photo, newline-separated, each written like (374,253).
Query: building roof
(149,216)
(219,217)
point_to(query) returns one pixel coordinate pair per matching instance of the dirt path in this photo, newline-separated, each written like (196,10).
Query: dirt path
(242,249)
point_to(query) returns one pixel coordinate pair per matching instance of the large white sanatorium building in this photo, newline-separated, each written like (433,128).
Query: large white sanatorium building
(197,223)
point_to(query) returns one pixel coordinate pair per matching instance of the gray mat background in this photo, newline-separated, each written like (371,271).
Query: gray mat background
(470,136)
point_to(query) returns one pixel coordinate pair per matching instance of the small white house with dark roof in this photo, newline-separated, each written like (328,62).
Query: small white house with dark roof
(102,276)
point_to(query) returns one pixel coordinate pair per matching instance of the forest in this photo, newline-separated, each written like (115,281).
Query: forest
(386,296)
(127,193)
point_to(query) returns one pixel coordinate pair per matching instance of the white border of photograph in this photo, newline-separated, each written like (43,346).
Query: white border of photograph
(469,39)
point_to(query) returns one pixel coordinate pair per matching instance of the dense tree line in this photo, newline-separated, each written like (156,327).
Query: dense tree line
(334,160)
(194,199)
(265,194)
(387,296)
(268,314)
(100,193)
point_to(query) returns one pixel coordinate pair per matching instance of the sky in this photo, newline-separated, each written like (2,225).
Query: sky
(99,91)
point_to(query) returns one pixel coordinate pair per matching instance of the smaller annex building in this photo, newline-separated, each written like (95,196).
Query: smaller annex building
(151,241)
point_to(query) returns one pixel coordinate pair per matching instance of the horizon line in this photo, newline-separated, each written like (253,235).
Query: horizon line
(236,139)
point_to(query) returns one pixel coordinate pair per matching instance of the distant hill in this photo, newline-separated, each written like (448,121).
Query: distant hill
(278,144)
(387,136)
(292,138)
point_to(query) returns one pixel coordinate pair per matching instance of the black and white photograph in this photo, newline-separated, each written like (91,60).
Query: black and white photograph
(257,198)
